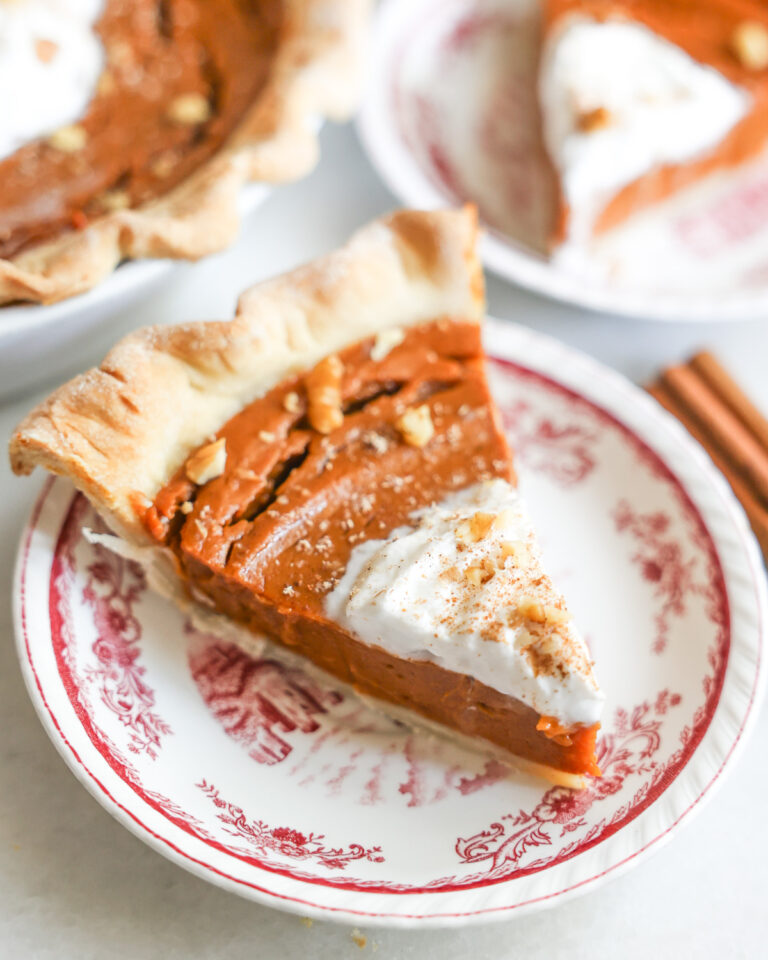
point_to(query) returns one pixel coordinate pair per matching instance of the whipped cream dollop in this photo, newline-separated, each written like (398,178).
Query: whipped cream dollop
(619,101)
(463,586)
(50,63)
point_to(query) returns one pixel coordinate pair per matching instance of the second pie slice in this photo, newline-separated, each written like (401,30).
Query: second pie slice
(329,469)
(641,99)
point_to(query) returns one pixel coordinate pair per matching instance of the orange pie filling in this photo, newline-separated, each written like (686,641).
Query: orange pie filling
(264,517)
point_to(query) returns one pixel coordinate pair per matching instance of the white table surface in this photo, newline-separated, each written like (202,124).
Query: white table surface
(75,884)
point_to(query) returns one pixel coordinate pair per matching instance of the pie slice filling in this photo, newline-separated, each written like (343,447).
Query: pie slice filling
(365,514)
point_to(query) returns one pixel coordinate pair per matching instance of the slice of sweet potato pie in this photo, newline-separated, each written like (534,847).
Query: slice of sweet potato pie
(329,469)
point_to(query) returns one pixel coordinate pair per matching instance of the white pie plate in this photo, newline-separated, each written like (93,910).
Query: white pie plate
(37,342)
(451,115)
(272,782)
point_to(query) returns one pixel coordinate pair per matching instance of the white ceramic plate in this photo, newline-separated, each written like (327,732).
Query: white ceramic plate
(274,783)
(451,115)
(38,342)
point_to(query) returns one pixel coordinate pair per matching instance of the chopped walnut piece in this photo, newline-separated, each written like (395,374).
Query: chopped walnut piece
(292,402)
(519,551)
(477,576)
(46,50)
(120,53)
(415,426)
(114,200)
(477,527)
(385,341)
(749,43)
(186,507)
(591,120)
(189,109)
(542,612)
(69,139)
(208,462)
(324,395)
(105,84)
(163,166)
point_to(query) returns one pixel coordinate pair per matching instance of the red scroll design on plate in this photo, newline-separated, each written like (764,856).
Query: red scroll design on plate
(112,588)
(628,750)
(561,450)
(289,843)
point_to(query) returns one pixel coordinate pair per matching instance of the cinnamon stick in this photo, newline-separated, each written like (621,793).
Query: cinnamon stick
(715,411)
(721,383)
(723,430)
(755,511)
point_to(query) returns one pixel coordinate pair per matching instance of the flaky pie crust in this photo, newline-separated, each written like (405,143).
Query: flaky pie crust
(121,430)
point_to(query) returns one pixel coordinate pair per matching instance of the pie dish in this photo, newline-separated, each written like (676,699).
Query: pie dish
(643,98)
(138,124)
(329,469)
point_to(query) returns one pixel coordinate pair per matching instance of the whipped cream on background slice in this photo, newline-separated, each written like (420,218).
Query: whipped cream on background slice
(661,107)
(50,63)
(409,595)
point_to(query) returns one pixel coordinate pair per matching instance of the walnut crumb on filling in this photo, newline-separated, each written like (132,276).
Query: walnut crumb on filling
(749,43)
(114,200)
(69,139)
(208,462)
(189,109)
(292,402)
(324,395)
(415,426)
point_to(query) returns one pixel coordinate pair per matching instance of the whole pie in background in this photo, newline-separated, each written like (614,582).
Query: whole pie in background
(129,126)
(329,469)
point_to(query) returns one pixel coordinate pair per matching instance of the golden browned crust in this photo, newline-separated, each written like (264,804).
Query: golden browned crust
(120,431)
(315,74)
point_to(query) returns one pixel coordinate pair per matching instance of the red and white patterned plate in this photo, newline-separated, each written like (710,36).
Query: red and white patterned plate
(268,779)
(451,115)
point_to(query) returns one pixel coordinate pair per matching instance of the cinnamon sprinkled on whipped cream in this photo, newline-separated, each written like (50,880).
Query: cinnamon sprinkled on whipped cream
(464,587)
